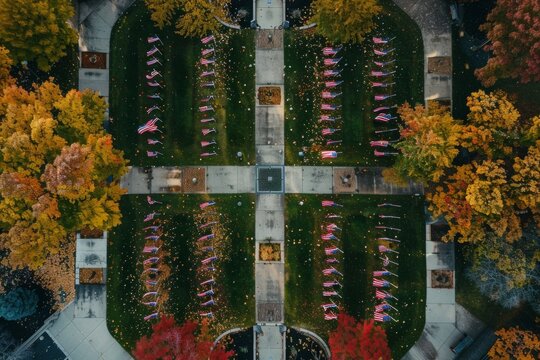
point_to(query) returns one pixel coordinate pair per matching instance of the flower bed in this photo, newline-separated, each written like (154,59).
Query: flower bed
(270,252)
(269,95)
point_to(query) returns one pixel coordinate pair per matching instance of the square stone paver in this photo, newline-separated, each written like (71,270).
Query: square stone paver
(270,179)
(269,39)
(193,180)
(344,180)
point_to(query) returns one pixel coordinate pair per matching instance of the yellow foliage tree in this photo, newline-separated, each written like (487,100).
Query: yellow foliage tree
(343,21)
(514,343)
(429,144)
(37,30)
(5,66)
(60,172)
(193,17)
(80,113)
(526,180)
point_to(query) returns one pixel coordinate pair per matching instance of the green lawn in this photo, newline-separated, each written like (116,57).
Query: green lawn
(234,93)
(304,83)
(235,281)
(305,261)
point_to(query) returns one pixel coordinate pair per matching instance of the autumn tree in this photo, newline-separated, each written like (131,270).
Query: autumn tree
(192,18)
(362,340)
(5,66)
(513,28)
(429,143)
(344,21)
(18,303)
(60,172)
(37,30)
(170,341)
(514,343)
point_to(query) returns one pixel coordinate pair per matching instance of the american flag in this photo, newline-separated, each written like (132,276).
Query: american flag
(326,203)
(328,73)
(332,227)
(152,237)
(332,250)
(153,227)
(331,84)
(382,307)
(330,293)
(207,224)
(329,154)
(206,204)
(150,249)
(331,271)
(206,293)
(153,61)
(208,260)
(381,294)
(205,52)
(206,108)
(152,108)
(208,73)
(207,154)
(151,260)
(207,131)
(153,153)
(153,142)
(152,51)
(330,107)
(151,316)
(328,131)
(144,128)
(382,143)
(150,303)
(205,61)
(152,201)
(207,39)
(209,303)
(383,97)
(329,236)
(331,283)
(333,142)
(207,248)
(206,237)
(153,39)
(382,52)
(207,143)
(208,282)
(380,283)
(381,317)
(329,306)
(330,316)
(207,314)
(381,273)
(150,216)
(330,51)
(331,62)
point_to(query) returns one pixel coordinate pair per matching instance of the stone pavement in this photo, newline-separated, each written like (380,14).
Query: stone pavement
(442,329)
(270,13)
(242,179)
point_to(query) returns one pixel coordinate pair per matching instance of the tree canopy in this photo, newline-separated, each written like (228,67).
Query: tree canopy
(360,340)
(513,28)
(514,343)
(192,18)
(482,173)
(344,21)
(60,171)
(18,303)
(170,341)
(36,30)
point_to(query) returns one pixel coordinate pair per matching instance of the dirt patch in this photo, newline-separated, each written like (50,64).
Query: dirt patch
(440,65)
(194,180)
(91,276)
(442,279)
(269,95)
(344,180)
(270,252)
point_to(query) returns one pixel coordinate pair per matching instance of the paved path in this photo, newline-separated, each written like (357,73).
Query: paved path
(441,330)
(242,179)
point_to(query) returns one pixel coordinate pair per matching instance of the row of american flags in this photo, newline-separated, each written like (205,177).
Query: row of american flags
(207,106)
(384,68)
(331,105)
(206,244)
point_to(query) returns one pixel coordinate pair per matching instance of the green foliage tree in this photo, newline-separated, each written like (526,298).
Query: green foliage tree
(36,30)
(18,303)
(343,21)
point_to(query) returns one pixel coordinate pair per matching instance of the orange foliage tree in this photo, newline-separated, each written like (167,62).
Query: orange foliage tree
(60,172)
(170,341)
(513,27)
(514,343)
(362,340)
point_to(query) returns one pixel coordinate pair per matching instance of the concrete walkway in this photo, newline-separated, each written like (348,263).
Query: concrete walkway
(242,179)
(442,329)
(270,207)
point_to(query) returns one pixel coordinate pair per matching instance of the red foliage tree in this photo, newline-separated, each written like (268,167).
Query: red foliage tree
(361,340)
(172,342)
(513,27)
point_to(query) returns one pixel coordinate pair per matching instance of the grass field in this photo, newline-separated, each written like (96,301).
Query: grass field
(305,261)
(234,99)
(234,276)
(304,83)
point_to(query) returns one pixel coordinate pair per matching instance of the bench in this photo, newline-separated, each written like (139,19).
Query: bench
(463,342)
